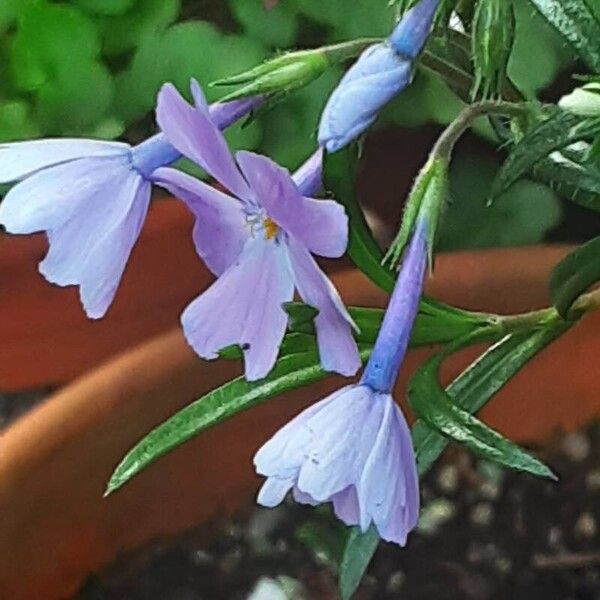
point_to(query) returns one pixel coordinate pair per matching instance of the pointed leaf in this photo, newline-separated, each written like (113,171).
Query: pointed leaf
(485,377)
(574,275)
(573,175)
(432,404)
(576,22)
(290,372)
(358,553)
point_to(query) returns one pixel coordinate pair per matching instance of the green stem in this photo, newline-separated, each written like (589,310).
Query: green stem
(445,143)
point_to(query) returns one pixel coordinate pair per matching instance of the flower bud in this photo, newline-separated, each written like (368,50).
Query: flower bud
(583,101)
(381,72)
(492,41)
(281,74)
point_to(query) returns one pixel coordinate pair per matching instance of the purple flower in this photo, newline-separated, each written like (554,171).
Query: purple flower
(258,239)
(91,198)
(353,448)
(380,73)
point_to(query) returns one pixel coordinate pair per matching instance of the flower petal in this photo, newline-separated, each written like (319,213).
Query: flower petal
(191,131)
(92,246)
(321,225)
(274,491)
(337,347)
(388,489)
(220,229)
(244,307)
(20,159)
(340,438)
(50,197)
(283,455)
(346,507)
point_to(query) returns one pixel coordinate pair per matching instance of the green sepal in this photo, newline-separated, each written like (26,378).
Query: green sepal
(427,200)
(290,71)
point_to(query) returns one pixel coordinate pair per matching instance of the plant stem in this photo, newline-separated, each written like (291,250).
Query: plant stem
(445,143)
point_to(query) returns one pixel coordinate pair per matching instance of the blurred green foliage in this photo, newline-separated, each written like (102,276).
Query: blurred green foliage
(93,68)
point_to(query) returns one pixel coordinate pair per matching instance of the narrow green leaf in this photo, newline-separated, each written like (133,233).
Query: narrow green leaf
(358,553)
(432,404)
(558,131)
(485,377)
(574,275)
(290,372)
(575,21)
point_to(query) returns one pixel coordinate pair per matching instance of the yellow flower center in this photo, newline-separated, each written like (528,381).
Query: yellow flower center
(271,228)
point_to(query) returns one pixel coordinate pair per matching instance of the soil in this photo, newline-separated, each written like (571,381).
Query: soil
(485,534)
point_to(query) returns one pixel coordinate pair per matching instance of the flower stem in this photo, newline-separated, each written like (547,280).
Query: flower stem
(445,143)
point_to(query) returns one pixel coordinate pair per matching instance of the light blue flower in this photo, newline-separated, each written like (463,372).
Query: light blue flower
(354,448)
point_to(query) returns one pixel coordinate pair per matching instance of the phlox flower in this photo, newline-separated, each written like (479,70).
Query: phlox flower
(258,238)
(353,449)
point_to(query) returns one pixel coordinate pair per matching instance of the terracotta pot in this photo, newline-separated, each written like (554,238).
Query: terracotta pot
(56,528)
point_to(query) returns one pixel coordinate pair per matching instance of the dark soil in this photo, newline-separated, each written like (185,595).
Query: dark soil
(484,534)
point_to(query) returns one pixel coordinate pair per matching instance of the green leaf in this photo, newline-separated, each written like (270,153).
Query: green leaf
(290,372)
(576,23)
(485,377)
(436,323)
(358,552)
(471,390)
(432,404)
(105,7)
(193,49)
(67,36)
(559,130)
(521,216)
(574,275)
(572,175)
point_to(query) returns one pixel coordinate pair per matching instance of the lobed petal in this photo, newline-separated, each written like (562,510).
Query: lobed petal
(90,248)
(20,159)
(193,133)
(52,196)
(393,507)
(352,449)
(337,348)
(220,228)
(321,225)
(244,307)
